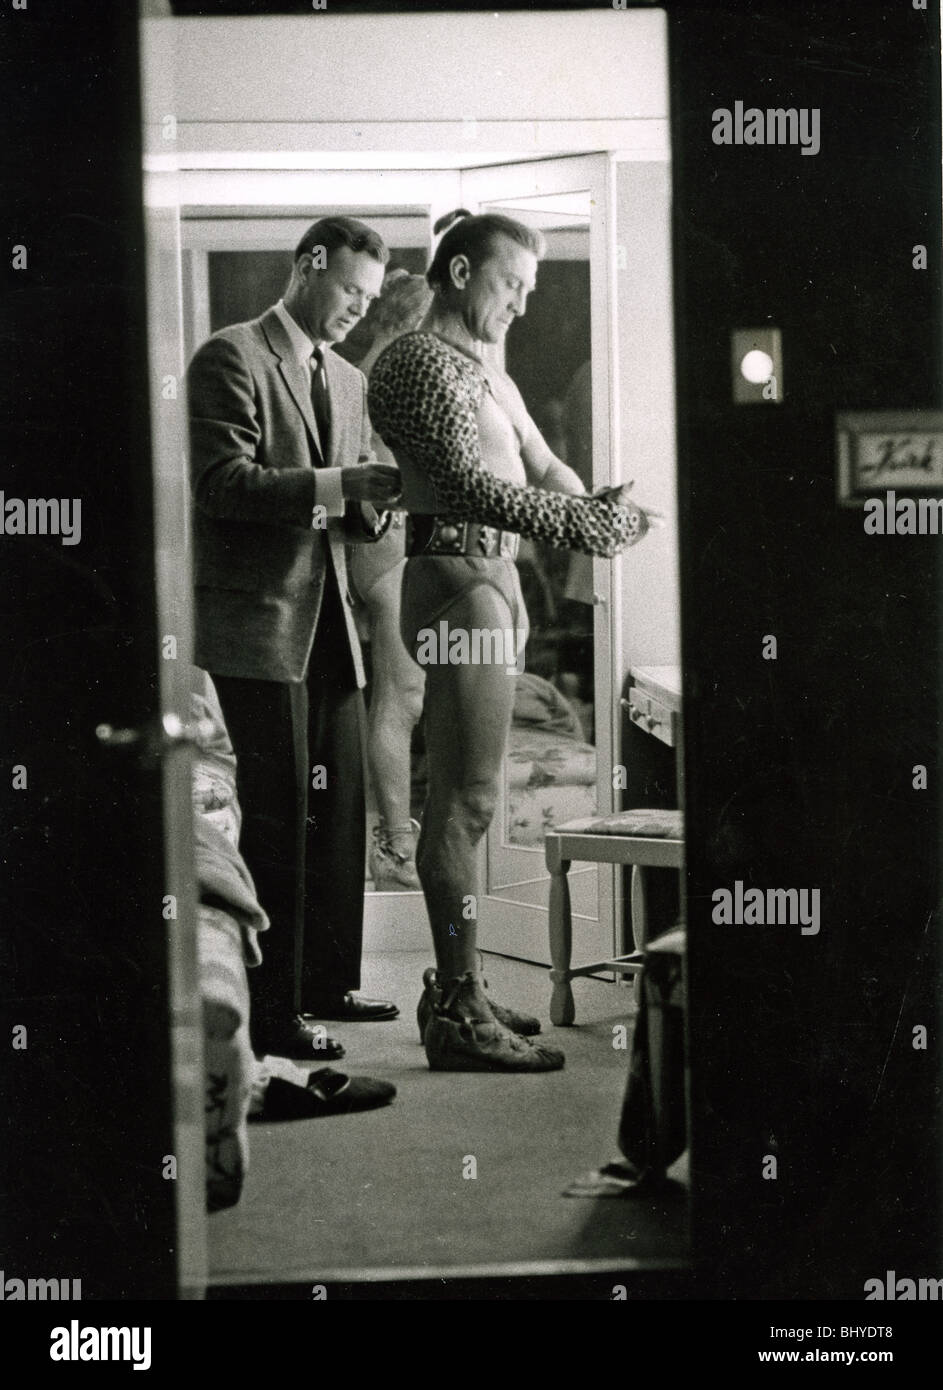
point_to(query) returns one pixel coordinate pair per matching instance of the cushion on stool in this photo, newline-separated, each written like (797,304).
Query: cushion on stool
(651,825)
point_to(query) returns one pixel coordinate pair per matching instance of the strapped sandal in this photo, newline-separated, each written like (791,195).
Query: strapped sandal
(392,870)
(454,1042)
(524,1024)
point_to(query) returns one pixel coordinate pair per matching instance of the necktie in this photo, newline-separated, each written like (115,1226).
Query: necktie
(319,400)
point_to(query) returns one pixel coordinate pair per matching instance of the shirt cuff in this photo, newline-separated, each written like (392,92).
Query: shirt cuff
(328,490)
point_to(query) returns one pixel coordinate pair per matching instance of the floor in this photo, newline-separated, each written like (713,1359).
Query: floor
(362,1196)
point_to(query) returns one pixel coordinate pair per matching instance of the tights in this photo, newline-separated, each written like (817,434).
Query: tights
(423,399)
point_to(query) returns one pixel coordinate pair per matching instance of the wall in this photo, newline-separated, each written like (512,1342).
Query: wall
(513,66)
(646,424)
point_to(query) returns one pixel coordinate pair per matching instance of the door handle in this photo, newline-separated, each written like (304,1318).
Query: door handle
(159,736)
(599,600)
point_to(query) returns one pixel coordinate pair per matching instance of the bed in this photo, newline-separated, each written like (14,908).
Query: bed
(551,769)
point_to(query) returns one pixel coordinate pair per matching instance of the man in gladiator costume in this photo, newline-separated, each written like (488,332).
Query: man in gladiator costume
(477,475)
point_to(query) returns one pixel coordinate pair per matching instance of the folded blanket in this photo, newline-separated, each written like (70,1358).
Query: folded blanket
(217,759)
(223,982)
(228,1064)
(222,873)
(229,920)
(223,877)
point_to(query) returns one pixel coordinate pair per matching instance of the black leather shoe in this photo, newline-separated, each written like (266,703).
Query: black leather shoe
(351,1008)
(300,1038)
(327,1092)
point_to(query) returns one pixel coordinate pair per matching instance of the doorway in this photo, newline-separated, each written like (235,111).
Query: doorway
(246,188)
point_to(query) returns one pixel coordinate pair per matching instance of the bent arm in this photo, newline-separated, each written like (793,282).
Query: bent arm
(363,524)
(226,442)
(543,467)
(424,399)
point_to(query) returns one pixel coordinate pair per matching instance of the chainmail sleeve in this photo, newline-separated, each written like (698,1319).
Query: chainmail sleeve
(423,399)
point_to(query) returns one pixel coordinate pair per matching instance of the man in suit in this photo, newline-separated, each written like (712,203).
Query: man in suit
(283,476)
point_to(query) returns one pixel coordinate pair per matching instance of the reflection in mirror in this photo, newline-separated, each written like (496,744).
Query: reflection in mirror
(550,772)
(396,781)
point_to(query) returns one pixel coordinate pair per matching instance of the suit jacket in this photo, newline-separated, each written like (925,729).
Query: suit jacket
(255,451)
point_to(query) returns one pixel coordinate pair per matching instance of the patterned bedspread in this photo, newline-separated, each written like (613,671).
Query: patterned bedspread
(551,769)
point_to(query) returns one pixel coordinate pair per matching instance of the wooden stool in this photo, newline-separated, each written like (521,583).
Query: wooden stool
(642,838)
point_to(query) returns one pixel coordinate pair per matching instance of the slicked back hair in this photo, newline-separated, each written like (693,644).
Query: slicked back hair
(334,232)
(475,236)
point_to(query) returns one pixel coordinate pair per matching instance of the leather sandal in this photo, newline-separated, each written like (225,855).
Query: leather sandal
(524,1024)
(392,870)
(466,1045)
(463,1035)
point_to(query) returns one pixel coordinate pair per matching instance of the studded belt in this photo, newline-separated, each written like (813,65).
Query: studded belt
(437,535)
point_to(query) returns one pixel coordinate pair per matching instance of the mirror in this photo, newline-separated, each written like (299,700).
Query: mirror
(551,767)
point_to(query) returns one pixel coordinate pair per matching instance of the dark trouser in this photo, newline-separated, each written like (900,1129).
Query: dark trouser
(653,1128)
(304,844)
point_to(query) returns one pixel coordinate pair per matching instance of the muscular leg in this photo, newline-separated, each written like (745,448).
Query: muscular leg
(468,715)
(395,704)
(468,712)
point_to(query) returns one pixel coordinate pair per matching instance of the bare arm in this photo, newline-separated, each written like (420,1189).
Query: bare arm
(545,470)
(543,467)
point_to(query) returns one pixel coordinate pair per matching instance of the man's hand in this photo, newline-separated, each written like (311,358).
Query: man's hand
(643,518)
(377,483)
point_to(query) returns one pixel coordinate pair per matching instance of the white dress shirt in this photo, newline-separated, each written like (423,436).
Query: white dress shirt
(330,492)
